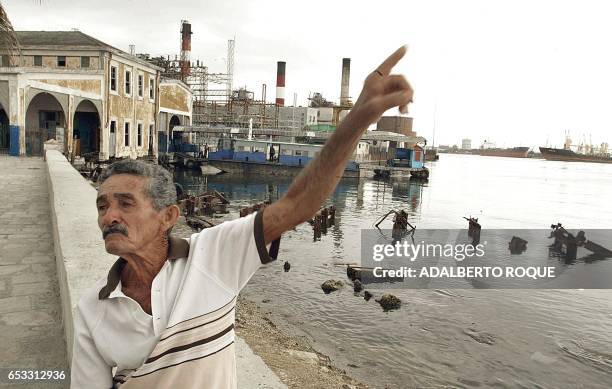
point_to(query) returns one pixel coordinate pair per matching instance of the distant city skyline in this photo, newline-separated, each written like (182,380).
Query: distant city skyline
(514,73)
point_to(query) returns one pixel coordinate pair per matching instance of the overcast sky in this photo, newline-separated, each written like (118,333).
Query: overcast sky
(514,72)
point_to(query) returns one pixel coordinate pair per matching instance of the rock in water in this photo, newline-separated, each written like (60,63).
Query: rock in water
(389,302)
(287,266)
(357,287)
(331,285)
(367,295)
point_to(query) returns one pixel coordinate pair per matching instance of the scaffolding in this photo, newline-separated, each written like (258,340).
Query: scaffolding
(242,110)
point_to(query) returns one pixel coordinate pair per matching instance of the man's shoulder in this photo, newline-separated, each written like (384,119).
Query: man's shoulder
(89,299)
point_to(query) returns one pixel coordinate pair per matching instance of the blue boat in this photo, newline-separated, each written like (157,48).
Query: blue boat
(261,157)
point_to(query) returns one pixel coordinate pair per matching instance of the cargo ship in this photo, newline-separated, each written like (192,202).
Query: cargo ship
(513,152)
(553,154)
(599,155)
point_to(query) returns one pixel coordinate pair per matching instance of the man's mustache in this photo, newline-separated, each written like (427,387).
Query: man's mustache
(114,228)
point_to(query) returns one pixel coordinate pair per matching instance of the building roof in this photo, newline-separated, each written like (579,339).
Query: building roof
(60,38)
(71,40)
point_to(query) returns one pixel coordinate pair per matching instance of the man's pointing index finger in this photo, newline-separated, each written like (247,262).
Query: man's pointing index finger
(386,67)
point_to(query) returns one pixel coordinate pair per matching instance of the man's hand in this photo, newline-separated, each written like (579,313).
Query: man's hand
(381,92)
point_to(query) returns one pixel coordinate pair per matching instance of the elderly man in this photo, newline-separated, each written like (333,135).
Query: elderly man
(164,316)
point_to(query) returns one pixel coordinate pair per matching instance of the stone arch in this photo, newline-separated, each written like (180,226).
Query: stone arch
(60,97)
(45,119)
(87,127)
(176,137)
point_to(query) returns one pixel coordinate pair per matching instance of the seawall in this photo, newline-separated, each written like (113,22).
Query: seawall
(82,260)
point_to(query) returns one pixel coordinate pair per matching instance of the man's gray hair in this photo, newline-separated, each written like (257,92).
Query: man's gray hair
(160,186)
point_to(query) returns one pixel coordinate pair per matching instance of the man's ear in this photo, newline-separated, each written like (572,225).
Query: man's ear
(170,216)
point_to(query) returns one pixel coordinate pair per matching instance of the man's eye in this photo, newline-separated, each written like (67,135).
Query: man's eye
(101,207)
(126,204)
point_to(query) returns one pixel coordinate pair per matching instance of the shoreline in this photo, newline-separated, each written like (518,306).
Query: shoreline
(292,358)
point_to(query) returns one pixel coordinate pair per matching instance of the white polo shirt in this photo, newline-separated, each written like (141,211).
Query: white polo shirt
(188,340)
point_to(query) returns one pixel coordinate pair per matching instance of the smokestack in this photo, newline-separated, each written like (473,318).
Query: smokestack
(280,83)
(344,86)
(185,48)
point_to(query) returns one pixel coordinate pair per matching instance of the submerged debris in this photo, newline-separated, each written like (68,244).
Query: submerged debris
(331,285)
(351,273)
(205,203)
(367,295)
(287,266)
(323,219)
(473,229)
(357,287)
(400,223)
(517,245)
(564,239)
(199,222)
(389,302)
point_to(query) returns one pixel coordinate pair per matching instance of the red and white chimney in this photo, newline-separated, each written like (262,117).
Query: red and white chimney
(280,83)
(185,48)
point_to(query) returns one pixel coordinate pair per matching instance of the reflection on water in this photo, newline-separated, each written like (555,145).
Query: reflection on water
(457,337)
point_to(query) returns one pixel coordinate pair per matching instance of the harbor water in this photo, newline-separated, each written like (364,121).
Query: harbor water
(443,337)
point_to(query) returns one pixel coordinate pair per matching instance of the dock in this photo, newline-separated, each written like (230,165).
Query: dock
(373,169)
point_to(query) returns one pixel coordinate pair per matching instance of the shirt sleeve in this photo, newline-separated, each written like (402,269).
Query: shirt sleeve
(88,370)
(233,251)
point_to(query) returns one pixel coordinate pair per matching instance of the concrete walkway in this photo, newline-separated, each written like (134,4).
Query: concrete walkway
(31,332)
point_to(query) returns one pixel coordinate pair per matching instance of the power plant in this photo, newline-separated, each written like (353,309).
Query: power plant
(217,103)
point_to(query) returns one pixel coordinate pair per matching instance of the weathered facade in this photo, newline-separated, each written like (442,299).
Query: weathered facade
(175,109)
(90,96)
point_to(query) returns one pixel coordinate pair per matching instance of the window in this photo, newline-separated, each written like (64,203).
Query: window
(38,60)
(84,62)
(151,129)
(5,61)
(128,82)
(126,140)
(113,78)
(151,88)
(113,126)
(139,134)
(140,85)
(61,61)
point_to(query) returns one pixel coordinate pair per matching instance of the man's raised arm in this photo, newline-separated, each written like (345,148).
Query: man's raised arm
(381,91)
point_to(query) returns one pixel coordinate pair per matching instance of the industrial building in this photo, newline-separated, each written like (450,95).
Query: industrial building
(397,124)
(91,97)
(298,118)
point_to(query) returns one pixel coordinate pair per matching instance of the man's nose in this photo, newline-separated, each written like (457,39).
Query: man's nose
(111,216)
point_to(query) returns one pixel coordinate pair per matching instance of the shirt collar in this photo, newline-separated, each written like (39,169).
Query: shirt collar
(177,248)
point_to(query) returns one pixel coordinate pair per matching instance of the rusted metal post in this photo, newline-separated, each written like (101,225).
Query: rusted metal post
(317,227)
(332,215)
(323,217)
